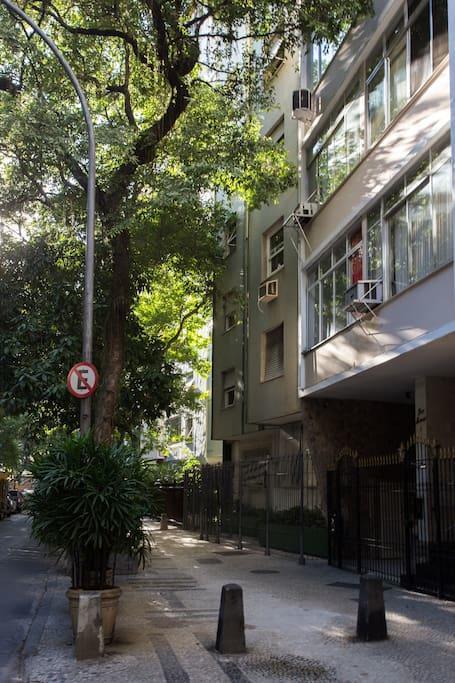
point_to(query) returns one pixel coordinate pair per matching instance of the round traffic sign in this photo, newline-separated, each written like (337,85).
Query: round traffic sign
(82,380)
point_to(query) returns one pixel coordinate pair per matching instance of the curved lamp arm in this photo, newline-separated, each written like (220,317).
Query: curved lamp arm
(87,329)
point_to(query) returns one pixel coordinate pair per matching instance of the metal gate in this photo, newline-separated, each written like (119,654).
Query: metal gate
(395,516)
(274,501)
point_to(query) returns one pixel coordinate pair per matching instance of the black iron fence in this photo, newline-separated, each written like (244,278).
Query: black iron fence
(274,501)
(395,516)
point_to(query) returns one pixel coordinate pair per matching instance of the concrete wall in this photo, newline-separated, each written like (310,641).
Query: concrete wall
(241,347)
(278,397)
(434,409)
(228,346)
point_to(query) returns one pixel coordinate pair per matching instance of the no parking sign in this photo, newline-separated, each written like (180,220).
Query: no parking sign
(82,380)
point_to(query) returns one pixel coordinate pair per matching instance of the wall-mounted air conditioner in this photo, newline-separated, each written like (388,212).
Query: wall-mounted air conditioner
(268,291)
(363,296)
(305,106)
(306,210)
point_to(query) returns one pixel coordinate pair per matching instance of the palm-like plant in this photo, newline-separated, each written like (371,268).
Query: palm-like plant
(88,502)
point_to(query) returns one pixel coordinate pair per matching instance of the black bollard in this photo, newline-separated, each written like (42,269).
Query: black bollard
(371,623)
(230,636)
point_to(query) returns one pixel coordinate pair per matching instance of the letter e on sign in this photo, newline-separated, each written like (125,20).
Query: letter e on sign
(82,380)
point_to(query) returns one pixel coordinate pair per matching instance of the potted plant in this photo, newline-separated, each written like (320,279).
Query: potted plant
(88,503)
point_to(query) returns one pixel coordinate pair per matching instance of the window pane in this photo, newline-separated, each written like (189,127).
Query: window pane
(315,64)
(440,31)
(390,39)
(313,315)
(376,113)
(339,250)
(276,240)
(312,179)
(337,157)
(276,261)
(420,233)
(340,290)
(354,129)
(325,263)
(420,49)
(374,245)
(323,174)
(327,307)
(442,200)
(399,240)
(398,79)
(395,195)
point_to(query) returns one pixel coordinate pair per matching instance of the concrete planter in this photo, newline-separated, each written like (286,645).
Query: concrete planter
(109,609)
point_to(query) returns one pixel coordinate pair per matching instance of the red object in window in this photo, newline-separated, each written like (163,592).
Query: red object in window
(356,266)
(356,259)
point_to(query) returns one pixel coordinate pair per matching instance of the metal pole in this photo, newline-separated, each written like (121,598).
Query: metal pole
(240,538)
(267,505)
(301,509)
(87,329)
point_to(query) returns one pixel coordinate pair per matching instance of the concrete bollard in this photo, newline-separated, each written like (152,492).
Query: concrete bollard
(371,622)
(163,522)
(230,636)
(89,636)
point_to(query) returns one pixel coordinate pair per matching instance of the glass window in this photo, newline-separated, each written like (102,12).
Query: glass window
(313,315)
(421,228)
(355,261)
(326,295)
(399,65)
(420,233)
(399,238)
(442,207)
(276,251)
(374,245)
(420,49)
(354,128)
(341,284)
(228,388)
(327,306)
(376,102)
(337,157)
(440,31)
(398,79)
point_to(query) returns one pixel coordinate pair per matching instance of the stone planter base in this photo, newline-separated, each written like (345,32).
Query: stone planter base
(109,608)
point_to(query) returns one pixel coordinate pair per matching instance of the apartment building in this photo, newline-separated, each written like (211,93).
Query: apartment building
(334,323)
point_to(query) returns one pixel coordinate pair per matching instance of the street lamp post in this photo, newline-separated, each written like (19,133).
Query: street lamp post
(87,327)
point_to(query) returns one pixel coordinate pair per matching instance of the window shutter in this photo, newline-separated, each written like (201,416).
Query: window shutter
(274,353)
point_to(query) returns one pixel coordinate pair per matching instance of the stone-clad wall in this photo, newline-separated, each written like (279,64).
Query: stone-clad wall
(368,427)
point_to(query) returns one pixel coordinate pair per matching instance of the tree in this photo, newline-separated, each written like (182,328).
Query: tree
(40,284)
(172,87)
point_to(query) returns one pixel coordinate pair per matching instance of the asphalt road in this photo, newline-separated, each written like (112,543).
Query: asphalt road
(24,580)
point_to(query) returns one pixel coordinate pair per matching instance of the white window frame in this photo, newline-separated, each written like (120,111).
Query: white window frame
(271,254)
(227,390)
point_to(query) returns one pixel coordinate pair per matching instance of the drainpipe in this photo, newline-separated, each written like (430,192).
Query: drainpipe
(451,11)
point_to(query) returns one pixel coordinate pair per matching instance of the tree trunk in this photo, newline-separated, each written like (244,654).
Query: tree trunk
(113,359)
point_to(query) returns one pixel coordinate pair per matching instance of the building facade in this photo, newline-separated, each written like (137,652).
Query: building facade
(335,327)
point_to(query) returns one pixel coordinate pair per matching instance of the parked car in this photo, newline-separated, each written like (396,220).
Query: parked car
(12,503)
(17,498)
(8,506)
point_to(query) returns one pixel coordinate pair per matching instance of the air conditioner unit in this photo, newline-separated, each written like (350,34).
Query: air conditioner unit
(363,296)
(306,210)
(305,106)
(268,291)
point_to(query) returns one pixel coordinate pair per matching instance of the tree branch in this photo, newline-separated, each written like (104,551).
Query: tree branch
(181,325)
(99,32)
